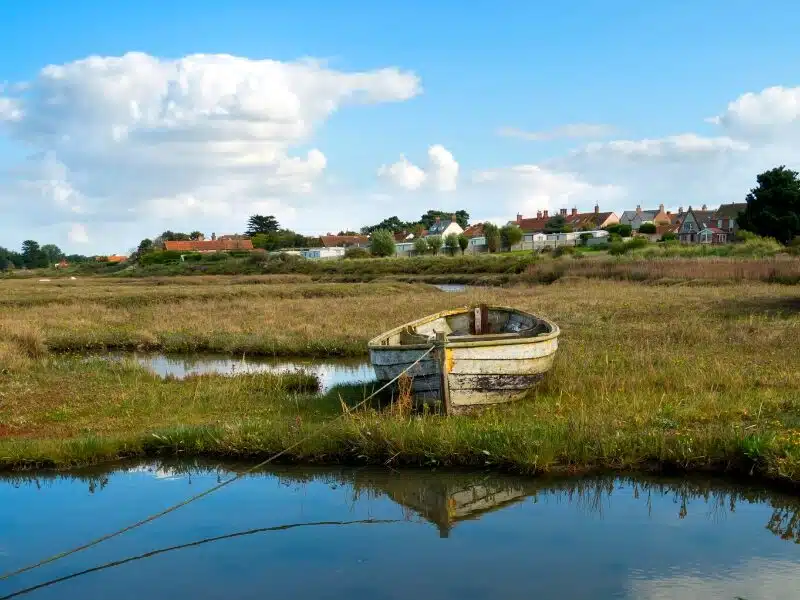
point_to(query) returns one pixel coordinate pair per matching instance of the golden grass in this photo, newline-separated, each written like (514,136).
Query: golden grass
(689,376)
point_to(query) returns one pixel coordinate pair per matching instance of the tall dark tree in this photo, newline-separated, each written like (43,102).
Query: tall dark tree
(773,207)
(195,235)
(393,224)
(32,255)
(262,224)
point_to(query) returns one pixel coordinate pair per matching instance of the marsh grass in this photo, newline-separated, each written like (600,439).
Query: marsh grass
(685,376)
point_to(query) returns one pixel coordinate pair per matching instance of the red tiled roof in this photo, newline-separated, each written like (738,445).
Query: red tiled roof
(330,241)
(577,221)
(208,245)
(474,230)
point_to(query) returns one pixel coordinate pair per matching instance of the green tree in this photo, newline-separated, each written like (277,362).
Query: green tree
(195,235)
(420,246)
(557,224)
(434,243)
(53,253)
(451,243)
(32,255)
(262,224)
(9,259)
(145,246)
(585,237)
(492,235)
(648,228)
(381,243)
(773,207)
(510,235)
(463,243)
(393,224)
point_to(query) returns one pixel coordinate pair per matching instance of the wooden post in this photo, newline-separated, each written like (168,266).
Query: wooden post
(484,319)
(441,341)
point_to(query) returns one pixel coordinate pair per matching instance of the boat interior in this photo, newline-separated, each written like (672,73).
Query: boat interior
(475,324)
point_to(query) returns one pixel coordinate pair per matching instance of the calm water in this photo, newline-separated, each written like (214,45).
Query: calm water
(330,372)
(451,287)
(344,534)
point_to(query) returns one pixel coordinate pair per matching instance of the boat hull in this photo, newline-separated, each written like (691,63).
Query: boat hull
(476,373)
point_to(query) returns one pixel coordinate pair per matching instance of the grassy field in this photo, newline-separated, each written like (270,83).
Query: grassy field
(695,374)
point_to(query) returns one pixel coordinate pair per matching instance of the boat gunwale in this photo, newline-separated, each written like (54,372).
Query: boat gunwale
(374,343)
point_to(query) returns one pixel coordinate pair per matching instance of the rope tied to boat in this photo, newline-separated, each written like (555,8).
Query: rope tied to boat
(213,489)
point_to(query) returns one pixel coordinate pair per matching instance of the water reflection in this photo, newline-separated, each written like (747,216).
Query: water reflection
(330,372)
(365,531)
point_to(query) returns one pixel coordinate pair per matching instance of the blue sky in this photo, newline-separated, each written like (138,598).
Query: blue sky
(644,71)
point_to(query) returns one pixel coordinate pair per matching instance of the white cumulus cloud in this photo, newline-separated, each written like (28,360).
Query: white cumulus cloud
(441,171)
(77,234)
(403,174)
(140,138)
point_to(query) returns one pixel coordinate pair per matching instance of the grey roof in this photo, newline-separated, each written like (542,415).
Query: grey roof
(730,211)
(438,227)
(629,215)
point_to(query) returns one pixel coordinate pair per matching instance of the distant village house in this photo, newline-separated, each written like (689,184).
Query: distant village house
(225,243)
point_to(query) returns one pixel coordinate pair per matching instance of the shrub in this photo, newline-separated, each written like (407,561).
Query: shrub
(563,251)
(356,252)
(669,237)
(648,228)
(585,237)
(420,246)
(614,237)
(160,257)
(617,248)
(637,242)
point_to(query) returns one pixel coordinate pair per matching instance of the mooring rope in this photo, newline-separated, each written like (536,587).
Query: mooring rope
(228,536)
(211,490)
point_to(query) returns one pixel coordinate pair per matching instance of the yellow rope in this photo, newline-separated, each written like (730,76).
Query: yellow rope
(209,491)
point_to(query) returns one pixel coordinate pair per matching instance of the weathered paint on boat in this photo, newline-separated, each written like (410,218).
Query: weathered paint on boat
(468,369)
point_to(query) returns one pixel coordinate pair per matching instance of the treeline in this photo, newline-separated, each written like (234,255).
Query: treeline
(34,256)
(264,232)
(426,221)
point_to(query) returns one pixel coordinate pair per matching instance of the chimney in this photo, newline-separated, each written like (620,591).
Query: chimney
(538,214)
(563,212)
(213,237)
(638,209)
(690,207)
(519,218)
(574,211)
(660,208)
(453,218)
(545,214)
(597,209)
(704,207)
(680,210)
(438,220)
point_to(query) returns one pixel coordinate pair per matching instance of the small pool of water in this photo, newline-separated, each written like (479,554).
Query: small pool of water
(451,287)
(342,533)
(330,372)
